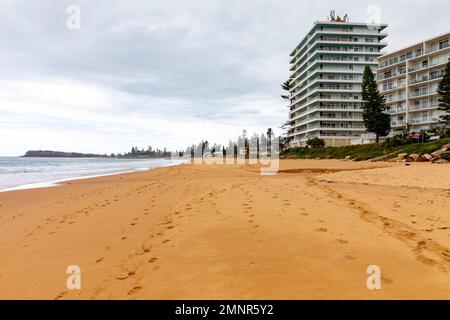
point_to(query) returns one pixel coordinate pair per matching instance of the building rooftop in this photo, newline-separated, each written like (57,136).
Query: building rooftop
(380,26)
(412,46)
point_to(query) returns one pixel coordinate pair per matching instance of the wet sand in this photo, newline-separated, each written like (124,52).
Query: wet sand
(226,232)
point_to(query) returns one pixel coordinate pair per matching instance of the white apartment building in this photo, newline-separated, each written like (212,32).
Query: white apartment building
(409,79)
(326,77)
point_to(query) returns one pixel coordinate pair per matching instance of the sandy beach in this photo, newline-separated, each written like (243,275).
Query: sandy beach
(226,232)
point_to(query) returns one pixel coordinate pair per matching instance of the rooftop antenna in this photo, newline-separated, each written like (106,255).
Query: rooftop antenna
(333,18)
(332,15)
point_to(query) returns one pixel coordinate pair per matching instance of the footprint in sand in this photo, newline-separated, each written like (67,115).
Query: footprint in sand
(134,290)
(322,229)
(152,260)
(386,280)
(145,248)
(342,241)
(125,275)
(61,295)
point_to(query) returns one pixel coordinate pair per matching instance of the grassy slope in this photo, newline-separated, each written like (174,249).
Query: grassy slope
(367,151)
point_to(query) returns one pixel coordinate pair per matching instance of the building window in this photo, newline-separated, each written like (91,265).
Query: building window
(443,44)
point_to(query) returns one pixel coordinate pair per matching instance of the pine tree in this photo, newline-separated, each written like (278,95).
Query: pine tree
(375,119)
(444,96)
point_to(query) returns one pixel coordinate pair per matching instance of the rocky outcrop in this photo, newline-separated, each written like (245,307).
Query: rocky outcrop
(439,156)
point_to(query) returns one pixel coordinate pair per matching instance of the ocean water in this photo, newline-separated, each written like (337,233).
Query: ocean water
(23,173)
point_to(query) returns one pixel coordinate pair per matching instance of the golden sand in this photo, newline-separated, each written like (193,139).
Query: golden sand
(226,232)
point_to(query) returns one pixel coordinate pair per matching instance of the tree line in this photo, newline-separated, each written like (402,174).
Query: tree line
(245,146)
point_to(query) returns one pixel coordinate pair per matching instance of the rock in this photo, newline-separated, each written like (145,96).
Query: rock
(446,146)
(384,157)
(440,161)
(422,159)
(402,155)
(439,152)
(412,157)
(427,156)
(446,155)
(348,158)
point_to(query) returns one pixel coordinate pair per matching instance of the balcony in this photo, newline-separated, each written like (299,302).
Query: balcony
(416,121)
(396,123)
(419,93)
(438,47)
(423,106)
(423,79)
(399,110)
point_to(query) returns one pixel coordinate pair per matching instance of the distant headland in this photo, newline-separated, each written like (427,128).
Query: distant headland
(134,154)
(59,154)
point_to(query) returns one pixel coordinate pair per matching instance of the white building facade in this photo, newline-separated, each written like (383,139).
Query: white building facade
(326,77)
(409,79)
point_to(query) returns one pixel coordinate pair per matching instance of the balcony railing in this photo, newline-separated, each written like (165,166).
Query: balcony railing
(398,123)
(419,93)
(392,111)
(438,47)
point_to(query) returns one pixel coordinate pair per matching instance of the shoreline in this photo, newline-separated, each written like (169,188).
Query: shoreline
(57,183)
(226,232)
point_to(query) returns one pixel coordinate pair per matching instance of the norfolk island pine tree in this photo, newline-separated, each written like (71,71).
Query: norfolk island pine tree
(444,96)
(374,117)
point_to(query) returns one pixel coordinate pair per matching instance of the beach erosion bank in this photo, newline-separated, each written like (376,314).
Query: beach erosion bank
(227,232)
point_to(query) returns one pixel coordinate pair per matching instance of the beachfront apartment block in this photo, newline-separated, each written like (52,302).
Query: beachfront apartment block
(326,78)
(409,79)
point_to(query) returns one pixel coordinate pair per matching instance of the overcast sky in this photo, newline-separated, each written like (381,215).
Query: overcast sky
(163,73)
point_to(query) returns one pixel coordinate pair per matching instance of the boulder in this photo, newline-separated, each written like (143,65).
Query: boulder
(422,159)
(439,152)
(440,161)
(402,155)
(348,158)
(446,155)
(427,156)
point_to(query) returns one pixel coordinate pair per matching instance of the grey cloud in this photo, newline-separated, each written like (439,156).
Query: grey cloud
(181,60)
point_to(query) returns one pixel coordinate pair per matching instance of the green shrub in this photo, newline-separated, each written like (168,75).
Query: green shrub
(315,143)
(365,151)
